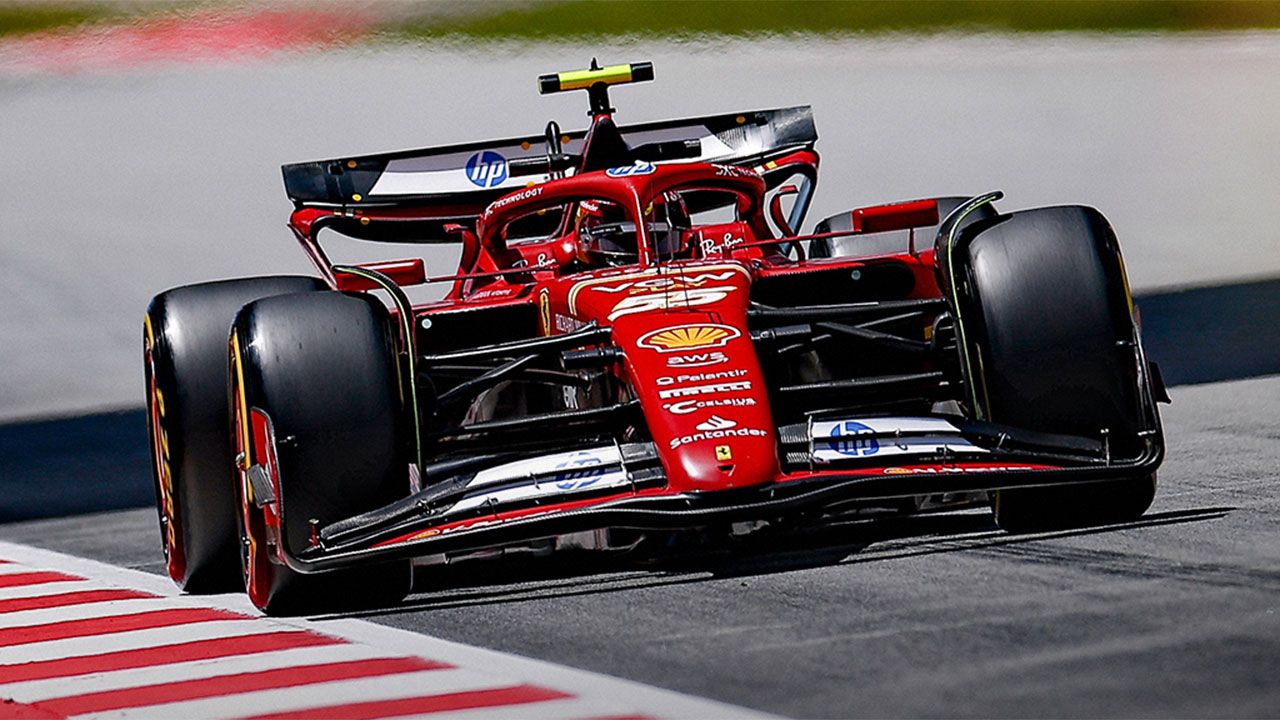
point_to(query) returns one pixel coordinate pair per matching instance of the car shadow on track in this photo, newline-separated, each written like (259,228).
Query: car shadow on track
(846,542)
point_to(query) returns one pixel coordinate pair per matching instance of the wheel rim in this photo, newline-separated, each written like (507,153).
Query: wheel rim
(254,562)
(166,506)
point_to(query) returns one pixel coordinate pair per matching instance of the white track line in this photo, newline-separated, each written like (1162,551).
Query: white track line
(133,640)
(43,589)
(545,710)
(13,569)
(315,695)
(37,690)
(85,611)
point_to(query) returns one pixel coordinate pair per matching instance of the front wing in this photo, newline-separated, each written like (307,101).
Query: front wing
(826,464)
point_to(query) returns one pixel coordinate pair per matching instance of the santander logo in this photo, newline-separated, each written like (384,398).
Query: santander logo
(715,422)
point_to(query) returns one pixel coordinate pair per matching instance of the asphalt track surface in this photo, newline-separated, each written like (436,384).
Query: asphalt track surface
(1177,614)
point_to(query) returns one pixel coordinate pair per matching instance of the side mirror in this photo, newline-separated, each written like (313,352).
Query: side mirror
(470,246)
(402,272)
(775,210)
(896,216)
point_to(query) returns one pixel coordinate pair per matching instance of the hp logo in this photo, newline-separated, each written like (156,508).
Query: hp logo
(486,169)
(580,471)
(640,168)
(854,438)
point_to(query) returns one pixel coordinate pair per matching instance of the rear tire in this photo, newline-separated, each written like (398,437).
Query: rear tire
(185,359)
(1048,325)
(319,372)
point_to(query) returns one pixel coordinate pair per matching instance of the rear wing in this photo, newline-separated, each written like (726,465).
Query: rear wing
(426,189)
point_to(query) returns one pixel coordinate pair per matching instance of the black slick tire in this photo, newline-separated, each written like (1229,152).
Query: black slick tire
(185,360)
(316,395)
(1047,345)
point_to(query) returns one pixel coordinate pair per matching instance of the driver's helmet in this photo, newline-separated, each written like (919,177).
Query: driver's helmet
(607,237)
(669,225)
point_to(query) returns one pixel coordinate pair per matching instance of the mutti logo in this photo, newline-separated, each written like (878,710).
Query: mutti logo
(486,169)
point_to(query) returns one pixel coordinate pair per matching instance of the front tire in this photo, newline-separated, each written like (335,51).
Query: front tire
(185,360)
(1048,344)
(317,401)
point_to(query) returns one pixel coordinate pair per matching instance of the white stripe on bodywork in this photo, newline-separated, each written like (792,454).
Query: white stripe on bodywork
(547,465)
(893,436)
(890,425)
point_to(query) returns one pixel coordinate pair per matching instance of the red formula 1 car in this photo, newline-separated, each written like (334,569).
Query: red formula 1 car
(636,343)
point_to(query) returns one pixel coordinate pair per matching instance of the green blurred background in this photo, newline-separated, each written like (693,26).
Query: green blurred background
(587,18)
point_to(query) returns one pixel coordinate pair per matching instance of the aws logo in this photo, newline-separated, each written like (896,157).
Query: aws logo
(689,337)
(693,360)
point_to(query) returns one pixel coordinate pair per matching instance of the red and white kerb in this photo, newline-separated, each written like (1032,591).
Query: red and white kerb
(86,640)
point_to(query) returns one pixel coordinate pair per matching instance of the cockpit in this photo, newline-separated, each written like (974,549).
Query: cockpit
(613,222)
(607,237)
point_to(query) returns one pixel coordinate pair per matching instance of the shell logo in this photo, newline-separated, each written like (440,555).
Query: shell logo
(688,337)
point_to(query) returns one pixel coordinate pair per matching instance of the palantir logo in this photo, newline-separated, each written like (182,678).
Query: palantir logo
(487,169)
(854,438)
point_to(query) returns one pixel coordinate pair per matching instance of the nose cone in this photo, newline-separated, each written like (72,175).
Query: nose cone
(691,362)
(730,448)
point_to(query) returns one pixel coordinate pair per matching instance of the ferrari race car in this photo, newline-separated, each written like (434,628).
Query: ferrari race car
(637,343)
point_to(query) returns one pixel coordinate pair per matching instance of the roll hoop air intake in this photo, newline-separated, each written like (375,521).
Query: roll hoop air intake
(596,81)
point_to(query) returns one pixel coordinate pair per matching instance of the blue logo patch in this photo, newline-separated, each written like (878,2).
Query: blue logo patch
(640,168)
(582,470)
(486,169)
(854,438)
